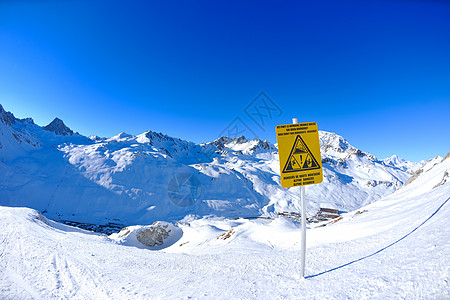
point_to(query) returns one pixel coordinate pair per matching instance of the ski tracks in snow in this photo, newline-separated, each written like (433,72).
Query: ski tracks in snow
(74,277)
(17,285)
(35,265)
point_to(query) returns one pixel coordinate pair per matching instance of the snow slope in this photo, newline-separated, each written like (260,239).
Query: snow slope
(397,247)
(127,180)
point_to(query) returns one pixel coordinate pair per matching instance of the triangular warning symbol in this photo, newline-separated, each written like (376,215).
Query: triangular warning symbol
(292,164)
(300,158)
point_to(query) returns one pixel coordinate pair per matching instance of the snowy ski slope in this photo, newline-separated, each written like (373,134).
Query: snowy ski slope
(395,248)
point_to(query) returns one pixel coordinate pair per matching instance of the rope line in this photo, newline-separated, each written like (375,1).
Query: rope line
(382,249)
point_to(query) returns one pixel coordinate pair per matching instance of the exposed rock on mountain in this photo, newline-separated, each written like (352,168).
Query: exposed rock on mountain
(15,138)
(6,117)
(58,127)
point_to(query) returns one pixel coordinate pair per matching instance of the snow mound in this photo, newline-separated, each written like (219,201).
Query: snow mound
(157,236)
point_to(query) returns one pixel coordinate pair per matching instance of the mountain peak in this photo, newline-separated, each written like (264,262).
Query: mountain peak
(394,160)
(403,164)
(58,127)
(335,144)
(240,140)
(222,141)
(330,140)
(6,117)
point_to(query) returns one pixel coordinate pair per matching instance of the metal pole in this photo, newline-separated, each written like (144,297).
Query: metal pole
(303,258)
(303,215)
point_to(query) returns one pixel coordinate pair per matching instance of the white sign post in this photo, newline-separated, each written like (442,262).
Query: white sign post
(303,204)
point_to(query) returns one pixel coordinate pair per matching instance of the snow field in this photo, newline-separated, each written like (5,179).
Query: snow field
(398,248)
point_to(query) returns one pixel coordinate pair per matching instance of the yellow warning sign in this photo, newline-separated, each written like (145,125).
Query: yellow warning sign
(299,152)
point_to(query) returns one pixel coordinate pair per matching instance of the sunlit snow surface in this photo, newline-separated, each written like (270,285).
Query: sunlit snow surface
(397,248)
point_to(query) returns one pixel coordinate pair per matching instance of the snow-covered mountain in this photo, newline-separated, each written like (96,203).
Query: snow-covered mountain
(403,164)
(129,179)
(15,140)
(394,248)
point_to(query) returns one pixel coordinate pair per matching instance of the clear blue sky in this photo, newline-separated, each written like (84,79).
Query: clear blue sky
(375,72)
